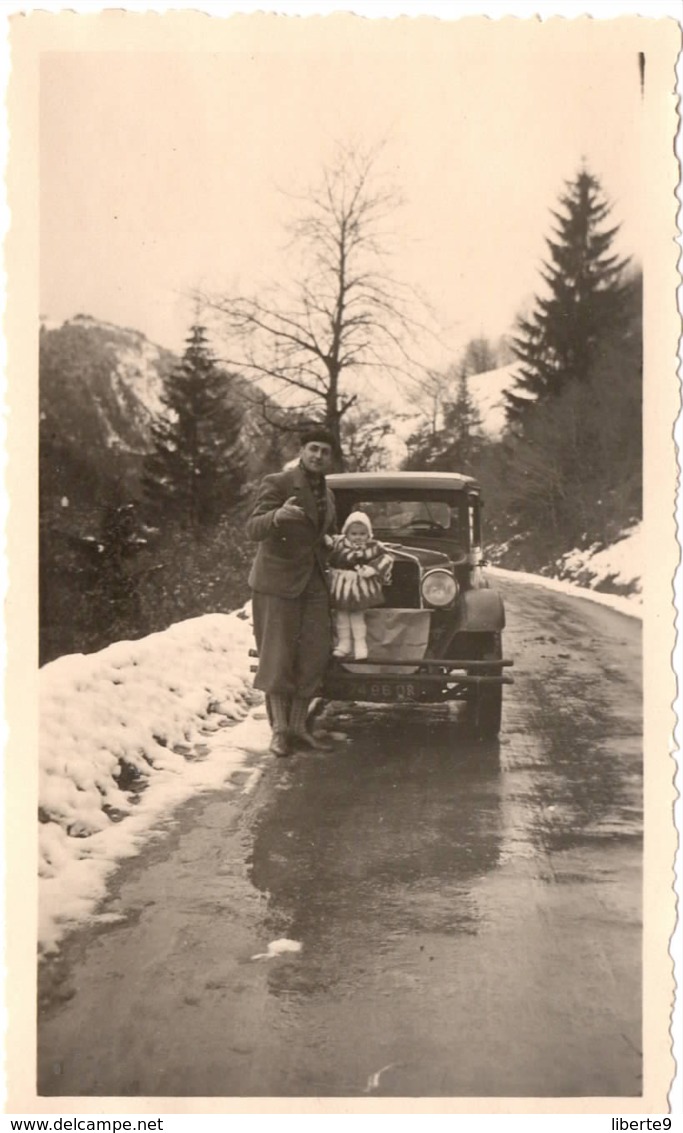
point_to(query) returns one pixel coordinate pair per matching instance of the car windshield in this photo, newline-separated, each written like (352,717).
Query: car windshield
(395,518)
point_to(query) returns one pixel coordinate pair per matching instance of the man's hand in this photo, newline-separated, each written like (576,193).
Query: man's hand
(367,571)
(289,512)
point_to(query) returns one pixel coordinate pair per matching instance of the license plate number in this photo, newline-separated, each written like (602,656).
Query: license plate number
(383,690)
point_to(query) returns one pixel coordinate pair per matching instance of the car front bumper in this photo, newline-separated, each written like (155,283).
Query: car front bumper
(421,681)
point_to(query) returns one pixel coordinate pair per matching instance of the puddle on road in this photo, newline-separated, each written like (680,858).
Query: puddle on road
(402,827)
(437,889)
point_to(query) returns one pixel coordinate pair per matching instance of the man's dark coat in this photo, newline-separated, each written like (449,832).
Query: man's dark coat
(290,600)
(288,555)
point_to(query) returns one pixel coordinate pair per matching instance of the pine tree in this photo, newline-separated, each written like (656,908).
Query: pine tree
(462,424)
(584,300)
(452,447)
(425,451)
(196,469)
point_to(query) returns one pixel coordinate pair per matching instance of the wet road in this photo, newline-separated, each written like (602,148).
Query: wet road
(469,916)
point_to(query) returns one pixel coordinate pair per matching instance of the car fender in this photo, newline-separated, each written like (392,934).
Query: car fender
(480,611)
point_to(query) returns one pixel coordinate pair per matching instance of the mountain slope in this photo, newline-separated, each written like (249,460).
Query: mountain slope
(100,390)
(100,384)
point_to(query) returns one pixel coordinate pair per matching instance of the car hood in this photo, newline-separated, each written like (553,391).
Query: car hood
(425,557)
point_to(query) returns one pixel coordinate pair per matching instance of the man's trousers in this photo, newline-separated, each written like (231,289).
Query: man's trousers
(294,640)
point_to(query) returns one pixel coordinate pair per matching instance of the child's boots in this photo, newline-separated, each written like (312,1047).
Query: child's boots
(343,645)
(359,635)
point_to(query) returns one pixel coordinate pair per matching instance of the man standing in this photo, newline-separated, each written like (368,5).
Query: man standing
(294,510)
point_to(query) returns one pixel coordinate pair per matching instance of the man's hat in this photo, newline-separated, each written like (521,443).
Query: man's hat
(319,433)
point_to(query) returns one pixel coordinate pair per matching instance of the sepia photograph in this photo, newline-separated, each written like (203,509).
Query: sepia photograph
(345,381)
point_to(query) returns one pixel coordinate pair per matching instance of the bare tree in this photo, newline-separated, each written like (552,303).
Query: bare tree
(343,318)
(431,395)
(365,436)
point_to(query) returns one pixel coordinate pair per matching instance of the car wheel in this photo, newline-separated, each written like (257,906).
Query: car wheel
(485,703)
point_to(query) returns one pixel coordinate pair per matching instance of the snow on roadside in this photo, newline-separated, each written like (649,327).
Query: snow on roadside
(620,564)
(628,606)
(148,713)
(110,722)
(580,573)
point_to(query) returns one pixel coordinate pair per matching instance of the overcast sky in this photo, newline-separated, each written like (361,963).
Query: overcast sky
(160,171)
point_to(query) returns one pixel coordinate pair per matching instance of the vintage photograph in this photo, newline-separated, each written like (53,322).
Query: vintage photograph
(344,518)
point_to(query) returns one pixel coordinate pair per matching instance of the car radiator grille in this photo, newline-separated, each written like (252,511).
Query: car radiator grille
(404,592)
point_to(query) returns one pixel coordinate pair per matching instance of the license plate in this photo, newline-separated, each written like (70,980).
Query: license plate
(383,691)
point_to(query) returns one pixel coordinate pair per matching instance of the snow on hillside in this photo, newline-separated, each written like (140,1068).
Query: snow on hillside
(487,391)
(137,363)
(153,713)
(488,394)
(618,566)
(138,366)
(609,575)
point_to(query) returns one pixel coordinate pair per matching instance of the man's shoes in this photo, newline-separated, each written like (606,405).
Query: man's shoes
(279,744)
(308,740)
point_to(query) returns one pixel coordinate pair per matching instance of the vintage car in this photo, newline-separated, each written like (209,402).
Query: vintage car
(438,635)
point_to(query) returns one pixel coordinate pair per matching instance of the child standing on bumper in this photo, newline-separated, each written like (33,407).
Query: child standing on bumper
(360,568)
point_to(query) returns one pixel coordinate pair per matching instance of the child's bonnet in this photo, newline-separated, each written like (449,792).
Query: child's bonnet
(349,589)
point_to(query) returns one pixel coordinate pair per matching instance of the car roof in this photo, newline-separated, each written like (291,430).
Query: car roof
(445,481)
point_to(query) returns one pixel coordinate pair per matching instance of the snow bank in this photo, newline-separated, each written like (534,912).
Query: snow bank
(147,713)
(629,606)
(618,566)
(596,573)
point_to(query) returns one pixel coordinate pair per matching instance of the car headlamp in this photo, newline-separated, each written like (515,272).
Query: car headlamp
(439,588)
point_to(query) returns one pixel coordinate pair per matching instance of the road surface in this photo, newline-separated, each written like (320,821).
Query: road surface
(468,916)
